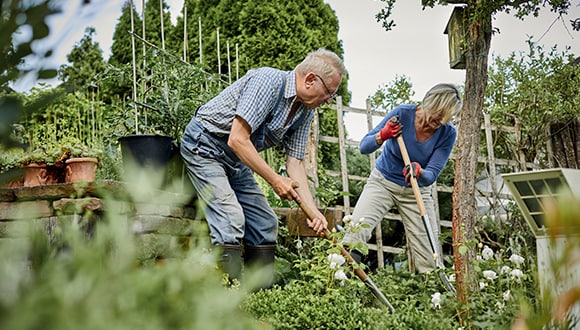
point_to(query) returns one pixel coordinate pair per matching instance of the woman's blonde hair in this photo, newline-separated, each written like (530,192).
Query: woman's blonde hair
(444,100)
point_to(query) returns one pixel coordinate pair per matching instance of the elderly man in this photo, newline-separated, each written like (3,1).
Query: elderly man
(221,148)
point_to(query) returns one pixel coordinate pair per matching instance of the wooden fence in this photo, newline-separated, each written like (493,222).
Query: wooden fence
(494,196)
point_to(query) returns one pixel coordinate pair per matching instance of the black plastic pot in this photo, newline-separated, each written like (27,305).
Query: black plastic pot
(147,150)
(148,157)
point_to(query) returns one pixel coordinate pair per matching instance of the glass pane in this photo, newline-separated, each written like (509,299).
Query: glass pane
(523,188)
(533,205)
(554,184)
(539,186)
(539,220)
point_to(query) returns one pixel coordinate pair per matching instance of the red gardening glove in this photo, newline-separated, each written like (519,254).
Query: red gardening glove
(392,129)
(415,171)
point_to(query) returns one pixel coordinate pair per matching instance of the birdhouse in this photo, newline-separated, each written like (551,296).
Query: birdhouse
(456,32)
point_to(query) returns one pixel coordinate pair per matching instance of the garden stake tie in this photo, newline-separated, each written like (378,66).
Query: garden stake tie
(357,270)
(424,216)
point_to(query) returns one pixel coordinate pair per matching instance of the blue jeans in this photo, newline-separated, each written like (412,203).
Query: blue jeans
(235,207)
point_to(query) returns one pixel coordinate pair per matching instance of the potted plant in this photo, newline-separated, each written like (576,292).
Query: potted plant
(167,106)
(81,162)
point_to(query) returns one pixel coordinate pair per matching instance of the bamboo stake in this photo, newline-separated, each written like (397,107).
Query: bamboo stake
(229,64)
(134,70)
(237,63)
(185,33)
(200,44)
(162,27)
(218,54)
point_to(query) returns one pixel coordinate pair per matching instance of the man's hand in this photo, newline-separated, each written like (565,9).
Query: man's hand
(413,169)
(318,224)
(284,187)
(392,129)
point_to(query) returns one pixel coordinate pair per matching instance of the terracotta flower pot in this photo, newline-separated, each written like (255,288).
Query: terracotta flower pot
(35,175)
(81,169)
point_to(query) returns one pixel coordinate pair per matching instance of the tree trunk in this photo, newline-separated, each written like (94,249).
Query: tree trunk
(478,37)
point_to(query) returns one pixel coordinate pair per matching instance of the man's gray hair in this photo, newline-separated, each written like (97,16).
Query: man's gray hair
(323,62)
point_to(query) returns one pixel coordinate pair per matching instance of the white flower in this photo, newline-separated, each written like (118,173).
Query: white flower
(436,300)
(478,258)
(516,259)
(507,296)
(489,274)
(347,219)
(487,253)
(340,275)
(516,274)
(499,305)
(505,270)
(335,260)
(451,278)
(299,244)
(482,285)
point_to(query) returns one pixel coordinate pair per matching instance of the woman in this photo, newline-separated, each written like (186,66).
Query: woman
(429,137)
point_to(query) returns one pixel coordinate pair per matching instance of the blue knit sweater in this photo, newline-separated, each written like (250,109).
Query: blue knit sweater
(432,154)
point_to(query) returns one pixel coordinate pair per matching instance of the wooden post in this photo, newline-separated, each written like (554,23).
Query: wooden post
(520,155)
(373,157)
(549,146)
(311,156)
(342,149)
(491,165)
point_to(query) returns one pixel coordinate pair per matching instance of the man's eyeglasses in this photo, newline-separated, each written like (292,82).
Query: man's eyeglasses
(330,94)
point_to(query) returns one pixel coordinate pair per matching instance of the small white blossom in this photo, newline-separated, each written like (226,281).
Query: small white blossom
(478,258)
(335,260)
(516,259)
(487,253)
(507,296)
(451,278)
(516,274)
(489,274)
(505,270)
(436,300)
(499,305)
(340,275)
(299,244)
(482,285)
(347,219)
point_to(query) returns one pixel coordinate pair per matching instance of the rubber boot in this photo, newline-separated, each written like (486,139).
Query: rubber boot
(231,261)
(260,259)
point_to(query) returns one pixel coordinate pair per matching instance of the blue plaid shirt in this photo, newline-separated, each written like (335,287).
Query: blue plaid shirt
(263,98)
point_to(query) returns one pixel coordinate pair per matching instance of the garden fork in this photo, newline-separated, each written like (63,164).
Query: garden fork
(424,216)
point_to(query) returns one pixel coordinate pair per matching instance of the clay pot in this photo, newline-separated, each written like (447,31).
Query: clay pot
(35,175)
(81,169)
